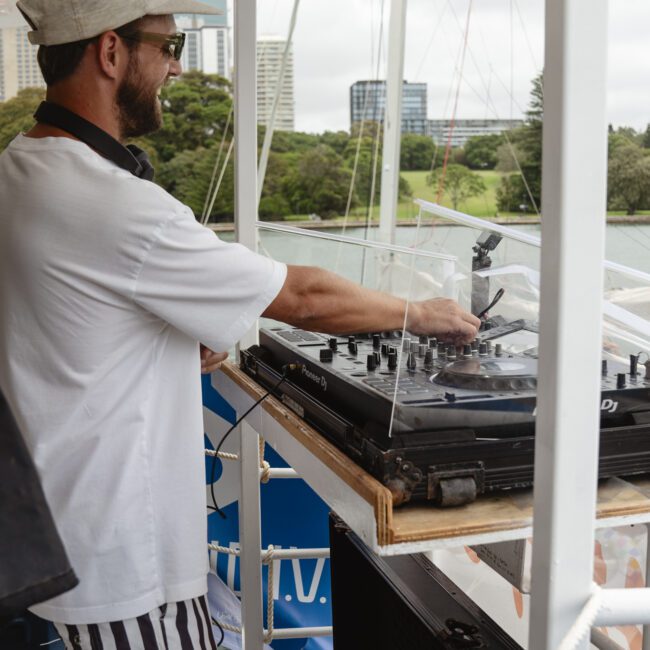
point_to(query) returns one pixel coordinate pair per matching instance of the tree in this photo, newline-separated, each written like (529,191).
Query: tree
(509,155)
(629,179)
(417,152)
(481,151)
(195,113)
(512,195)
(320,183)
(187,177)
(460,183)
(17,114)
(645,140)
(528,139)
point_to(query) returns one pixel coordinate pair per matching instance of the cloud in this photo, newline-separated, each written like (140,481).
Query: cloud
(336,44)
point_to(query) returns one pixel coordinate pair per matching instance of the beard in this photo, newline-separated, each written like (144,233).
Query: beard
(138,107)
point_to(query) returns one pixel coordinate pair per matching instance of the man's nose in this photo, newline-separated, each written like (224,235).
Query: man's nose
(175,68)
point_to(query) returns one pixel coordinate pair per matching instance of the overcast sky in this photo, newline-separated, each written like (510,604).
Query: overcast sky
(336,44)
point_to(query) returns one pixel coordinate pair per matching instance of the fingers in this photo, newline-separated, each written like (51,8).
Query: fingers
(211,361)
(447,320)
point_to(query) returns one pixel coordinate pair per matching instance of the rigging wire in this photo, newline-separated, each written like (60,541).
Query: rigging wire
(374,161)
(205,216)
(362,123)
(441,184)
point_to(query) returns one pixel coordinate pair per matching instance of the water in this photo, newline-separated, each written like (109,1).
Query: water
(625,244)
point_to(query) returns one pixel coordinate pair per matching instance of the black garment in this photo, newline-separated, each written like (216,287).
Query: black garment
(33,563)
(132,158)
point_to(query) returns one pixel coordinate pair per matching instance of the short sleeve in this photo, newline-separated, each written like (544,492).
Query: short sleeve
(211,290)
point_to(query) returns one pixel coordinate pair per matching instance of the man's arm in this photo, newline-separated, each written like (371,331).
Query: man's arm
(317,300)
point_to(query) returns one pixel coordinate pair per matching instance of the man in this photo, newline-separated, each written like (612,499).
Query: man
(107,286)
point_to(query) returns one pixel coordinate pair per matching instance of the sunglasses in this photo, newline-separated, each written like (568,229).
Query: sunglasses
(171,45)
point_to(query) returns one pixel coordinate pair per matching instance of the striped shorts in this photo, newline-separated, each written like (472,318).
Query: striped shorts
(174,626)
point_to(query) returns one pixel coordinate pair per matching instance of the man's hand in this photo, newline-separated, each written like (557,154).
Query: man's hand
(445,318)
(320,301)
(211,361)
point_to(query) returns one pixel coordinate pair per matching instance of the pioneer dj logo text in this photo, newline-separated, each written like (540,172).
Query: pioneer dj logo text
(318,379)
(607,404)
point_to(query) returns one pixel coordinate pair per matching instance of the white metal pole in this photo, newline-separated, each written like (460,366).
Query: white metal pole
(250,541)
(392,122)
(270,127)
(573,237)
(245,98)
(646,628)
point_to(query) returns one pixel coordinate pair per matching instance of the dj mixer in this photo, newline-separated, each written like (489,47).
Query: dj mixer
(434,422)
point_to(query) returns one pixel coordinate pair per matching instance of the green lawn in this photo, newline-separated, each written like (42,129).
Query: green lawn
(478,206)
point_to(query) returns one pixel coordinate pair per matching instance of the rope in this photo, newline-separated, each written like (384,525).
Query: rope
(264,466)
(584,622)
(224,549)
(223,455)
(230,628)
(270,607)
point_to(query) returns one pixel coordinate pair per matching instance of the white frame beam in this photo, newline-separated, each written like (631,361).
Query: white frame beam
(250,541)
(245,100)
(574,207)
(392,122)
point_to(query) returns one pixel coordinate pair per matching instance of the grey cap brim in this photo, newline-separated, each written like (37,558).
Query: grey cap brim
(69,24)
(186,7)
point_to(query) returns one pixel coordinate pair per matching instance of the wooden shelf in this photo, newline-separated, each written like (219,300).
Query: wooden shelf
(414,527)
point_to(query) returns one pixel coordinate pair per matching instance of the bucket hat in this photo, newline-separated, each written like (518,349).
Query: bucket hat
(55,22)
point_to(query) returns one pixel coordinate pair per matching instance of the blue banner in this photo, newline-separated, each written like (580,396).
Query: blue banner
(293,516)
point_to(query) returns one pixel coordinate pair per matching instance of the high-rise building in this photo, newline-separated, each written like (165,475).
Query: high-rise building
(270,51)
(207,46)
(463,130)
(18,65)
(207,49)
(368,104)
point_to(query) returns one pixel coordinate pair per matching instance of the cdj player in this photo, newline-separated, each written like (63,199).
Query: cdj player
(433,422)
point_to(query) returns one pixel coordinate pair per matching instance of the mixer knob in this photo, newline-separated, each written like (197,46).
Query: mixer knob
(351,339)
(634,361)
(414,347)
(451,353)
(353,347)
(498,350)
(428,357)
(384,349)
(406,344)
(433,342)
(422,349)
(411,362)
(490,348)
(467,351)
(392,360)
(620,380)
(482,350)
(371,361)
(334,344)
(377,357)
(424,340)
(475,345)
(326,355)
(376,341)
(603,367)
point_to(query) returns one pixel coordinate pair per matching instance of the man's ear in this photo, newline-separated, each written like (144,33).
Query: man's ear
(111,54)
